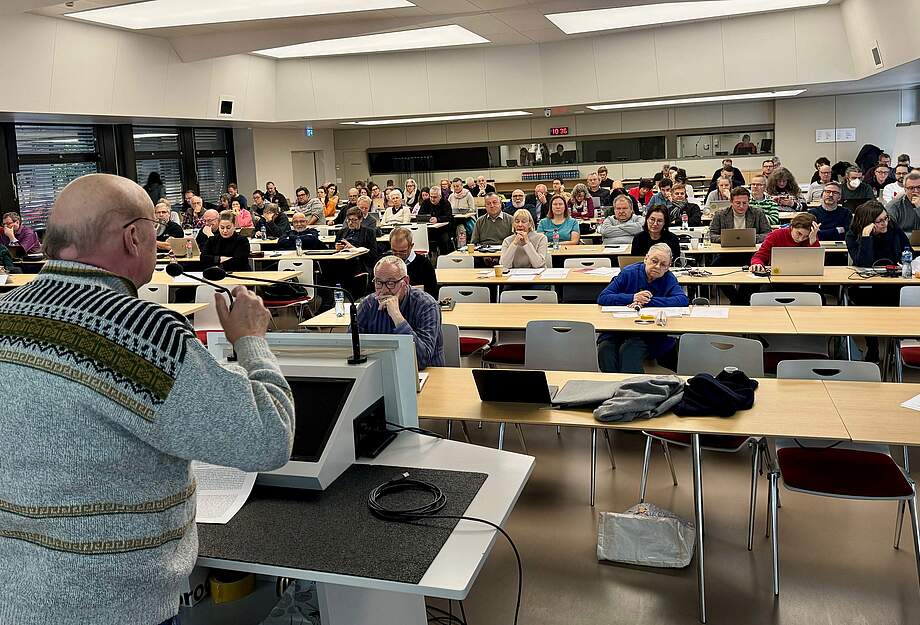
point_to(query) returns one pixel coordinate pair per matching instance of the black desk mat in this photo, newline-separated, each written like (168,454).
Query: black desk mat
(334,531)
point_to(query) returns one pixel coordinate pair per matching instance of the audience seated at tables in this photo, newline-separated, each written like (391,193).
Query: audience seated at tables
(622,225)
(412,196)
(559,189)
(17,238)
(460,199)
(815,189)
(243,216)
(395,212)
(332,200)
(663,196)
(518,201)
(355,234)
(275,222)
(560,222)
(679,206)
(166,227)
(904,210)
(525,247)
(600,195)
(722,192)
(739,215)
(649,283)
(209,223)
(819,162)
(581,204)
(605,182)
(855,188)
(419,268)
(300,230)
(642,194)
(493,227)
(396,308)
(833,219)
(785,191)
(874,239)
(728,170)
(539,199)
(194,214)
(273,196)
(802,232)
(228,248)
(257,208)
(654,231)
(763,202)
(896,188)
(482,188)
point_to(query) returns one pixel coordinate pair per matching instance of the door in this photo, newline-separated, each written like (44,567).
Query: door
(304,169)
(355,168)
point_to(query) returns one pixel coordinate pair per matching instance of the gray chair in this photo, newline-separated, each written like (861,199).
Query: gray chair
(587,263)
(711,353)
(845,471)
(786,347)
(471,341)
(158,293)
(509,345)
(455,262)
(450,335)
(566,346)
(583,292)
(907,353)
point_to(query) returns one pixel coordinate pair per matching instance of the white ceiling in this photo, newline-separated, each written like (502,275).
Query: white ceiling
(503,22)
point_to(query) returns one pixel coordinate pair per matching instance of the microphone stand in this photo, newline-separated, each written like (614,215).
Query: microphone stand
(175,270)
(356,358)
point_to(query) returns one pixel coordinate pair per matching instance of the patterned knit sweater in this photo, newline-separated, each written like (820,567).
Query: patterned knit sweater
(115,397)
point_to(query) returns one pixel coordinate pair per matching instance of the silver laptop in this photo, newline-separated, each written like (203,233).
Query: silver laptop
(797,261)
(738,237)
(178,246)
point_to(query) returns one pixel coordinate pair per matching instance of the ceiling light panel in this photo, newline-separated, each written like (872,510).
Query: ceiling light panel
(575,22)
(167,13)
(422,38)
(761,95)
(435,119)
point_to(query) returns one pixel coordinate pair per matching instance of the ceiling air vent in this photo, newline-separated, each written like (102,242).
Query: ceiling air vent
(877,55)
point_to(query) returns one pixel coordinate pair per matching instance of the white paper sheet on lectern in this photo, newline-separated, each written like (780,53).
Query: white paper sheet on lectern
(221,492)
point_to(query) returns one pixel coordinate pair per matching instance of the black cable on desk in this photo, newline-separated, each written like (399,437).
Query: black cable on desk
(402,428)
(430,511)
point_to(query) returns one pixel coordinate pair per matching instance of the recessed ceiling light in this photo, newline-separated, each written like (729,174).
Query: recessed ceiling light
(762,95)
(166,13)
(434,37)
(650,14)
(435,118)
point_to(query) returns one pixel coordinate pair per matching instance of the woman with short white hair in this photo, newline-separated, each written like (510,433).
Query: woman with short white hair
(524,248)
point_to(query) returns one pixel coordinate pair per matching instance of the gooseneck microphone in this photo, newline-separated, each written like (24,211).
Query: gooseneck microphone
(218,273)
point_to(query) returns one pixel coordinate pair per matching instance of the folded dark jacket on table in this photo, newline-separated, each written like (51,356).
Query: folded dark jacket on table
(721,395)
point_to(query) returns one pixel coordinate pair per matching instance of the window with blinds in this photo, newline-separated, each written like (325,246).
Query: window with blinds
(210,139)
(213,177)
(156,149)
(170,170)
(50,157)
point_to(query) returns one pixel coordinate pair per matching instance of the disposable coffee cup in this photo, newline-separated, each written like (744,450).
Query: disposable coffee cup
(470,248)
(498,271)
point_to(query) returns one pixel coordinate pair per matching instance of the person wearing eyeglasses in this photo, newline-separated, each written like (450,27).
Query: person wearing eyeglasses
(166,227)
(229,249)
(833,219)
(18,238)
(419,268)
(209,222)
(905,209)
(649,283)
(654,231)
(396,308)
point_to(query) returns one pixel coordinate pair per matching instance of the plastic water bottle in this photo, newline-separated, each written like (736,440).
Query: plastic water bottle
(298,245)
(339,298)
(555,239)
(906,257)
(684,221)
(598,213)
(461,238)
(706,238)
(188,247)
(262,231)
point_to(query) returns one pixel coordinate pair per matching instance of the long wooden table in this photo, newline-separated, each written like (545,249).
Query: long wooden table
(187,309)
(162,278)
(589,251)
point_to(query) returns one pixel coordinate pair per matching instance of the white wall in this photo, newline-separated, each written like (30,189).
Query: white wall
(267,156)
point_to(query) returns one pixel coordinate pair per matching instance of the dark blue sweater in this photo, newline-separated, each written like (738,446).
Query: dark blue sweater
(866,251)
(830,221)
(665,292)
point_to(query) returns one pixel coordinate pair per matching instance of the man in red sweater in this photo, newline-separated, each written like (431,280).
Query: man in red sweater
(802,232)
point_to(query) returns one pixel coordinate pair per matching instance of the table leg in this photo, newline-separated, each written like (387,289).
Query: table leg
(501,435)
(593,463)
(347,605)
(698,518)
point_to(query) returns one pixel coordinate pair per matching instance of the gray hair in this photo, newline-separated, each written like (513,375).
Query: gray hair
(392,260)
(395,192)
(401,233)
(580,188)
(433,189)
(363,198)
(660,247)
(271,208)
(624,197)
(853,168)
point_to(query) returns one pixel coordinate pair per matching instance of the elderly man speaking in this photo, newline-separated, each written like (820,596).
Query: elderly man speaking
(649,283)
(97,498)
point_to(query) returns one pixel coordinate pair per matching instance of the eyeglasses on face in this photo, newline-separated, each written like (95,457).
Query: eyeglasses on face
(387,284)
(137,219)
(882,220)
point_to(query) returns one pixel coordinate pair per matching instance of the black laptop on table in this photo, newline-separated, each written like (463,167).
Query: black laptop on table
(520,386)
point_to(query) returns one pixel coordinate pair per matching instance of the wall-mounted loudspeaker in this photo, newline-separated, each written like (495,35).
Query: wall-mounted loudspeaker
(225,107)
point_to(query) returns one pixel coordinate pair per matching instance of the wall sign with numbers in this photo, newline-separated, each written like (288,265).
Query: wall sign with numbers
(559,131)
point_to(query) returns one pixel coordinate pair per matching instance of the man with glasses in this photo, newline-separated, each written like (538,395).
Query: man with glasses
(396,308)
(356,234)
(896,188)
(649,283)
(767,167)
(904,210)
(300,230)
(18,238)
(759,199)
(816,189)
(418,267)
(209,220)
(166,227)
(833,219)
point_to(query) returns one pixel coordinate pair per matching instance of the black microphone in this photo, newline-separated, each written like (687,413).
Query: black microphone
(218,273)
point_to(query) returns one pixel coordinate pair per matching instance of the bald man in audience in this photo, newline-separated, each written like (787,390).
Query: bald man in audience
(539,199)
(127,397)
(519,201)
(210,221)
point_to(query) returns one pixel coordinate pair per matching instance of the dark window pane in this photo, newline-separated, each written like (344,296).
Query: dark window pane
(429,160)
(633,149)
(212,177)
(39,185)
(55,139)
(210,139)
(154,139)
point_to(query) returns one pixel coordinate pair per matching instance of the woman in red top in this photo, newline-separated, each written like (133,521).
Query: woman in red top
(802,232)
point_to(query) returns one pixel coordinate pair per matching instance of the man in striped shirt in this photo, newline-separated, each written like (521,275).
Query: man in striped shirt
(397,308)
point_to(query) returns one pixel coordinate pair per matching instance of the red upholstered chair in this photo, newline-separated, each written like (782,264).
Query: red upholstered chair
(470,341)
(908,349)
(784,347)
(299,302)
(844,470)
(710,353)
(509,346)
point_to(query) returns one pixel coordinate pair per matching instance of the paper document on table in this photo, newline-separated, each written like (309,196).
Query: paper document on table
(527,278)
(525,272)
(221,491)
(913,403)
(422,378)
(187,278)
(3,278)
(617,309)
(485,274)
(669,311)
(554,274)
(711,312)
(603,271)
